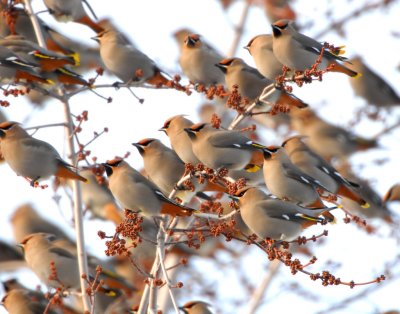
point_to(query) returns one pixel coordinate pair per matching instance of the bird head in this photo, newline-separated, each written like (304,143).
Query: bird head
(270,151)
(194,130)
(111,164)
(193,40)
(280,26)
(224,64)
(143,144)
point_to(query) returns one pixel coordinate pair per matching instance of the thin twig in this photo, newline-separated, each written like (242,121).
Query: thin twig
(258,294)
(161,250)
(239,29)
(268,90)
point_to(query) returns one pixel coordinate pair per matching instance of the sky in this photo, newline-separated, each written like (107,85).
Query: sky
(150,25)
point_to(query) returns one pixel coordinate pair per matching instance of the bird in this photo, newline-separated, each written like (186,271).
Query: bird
(165,169)
(18,301)
(47,60)
(39,254)
(377,207)
(137,193)
(328,140)
(50,64)
(393,194)
(198,60)
(318,168)
(182,145)
(372,87)
(14,69)
(251,83)
(54,265)
(98,199)
(32,158)
(25,220)
(273,218)
(260,48)
(299,52)
(196,307)
(218,149)
(71,10)
(127,62)
(286,181)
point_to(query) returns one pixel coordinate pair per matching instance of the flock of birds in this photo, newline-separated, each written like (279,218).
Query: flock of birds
(298,173)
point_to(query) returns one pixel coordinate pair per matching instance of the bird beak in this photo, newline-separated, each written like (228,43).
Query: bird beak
(221,67)
(139,148)
(163,130)
(247,48)
(95,38)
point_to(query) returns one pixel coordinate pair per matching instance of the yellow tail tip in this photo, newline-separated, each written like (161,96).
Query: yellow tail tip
(252,168)
(50,82)
(366,205)
(357,75)
(111,294)
(76,58)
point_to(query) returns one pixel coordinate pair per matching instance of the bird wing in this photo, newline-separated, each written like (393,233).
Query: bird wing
(315,47)
(62,252)
(229,139)
(298,175)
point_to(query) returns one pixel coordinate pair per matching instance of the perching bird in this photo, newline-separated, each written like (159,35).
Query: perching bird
(137,193)
(98,199)
(50,64)
(299,52)
(288,182)
(251,83)
(222,148)
(25,220)
(180,142)
(198,62)
(393,194)
(71,10)
(273,218)
(328,140)
(377,207)
(20,301)
(196,307)
(32,158)
(47,60)
(372,87)
(318,168)
(128,63)
(14,69)
(165,169)
(40,254)
(260,48)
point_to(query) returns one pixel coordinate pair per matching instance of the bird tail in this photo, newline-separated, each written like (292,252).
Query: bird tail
(158,79)
(336,67)
(64,172)
(86,20)
(23,75)
(291,100)
(348,193)
(49,64)
(113,213)
(175,209)
(70,78)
